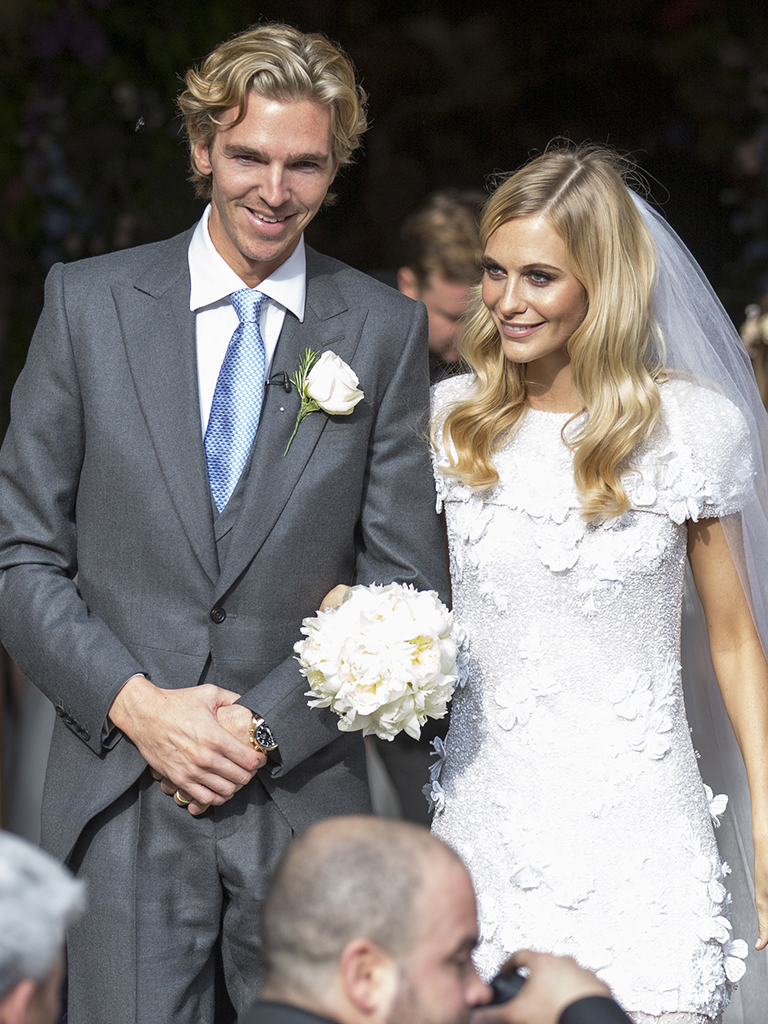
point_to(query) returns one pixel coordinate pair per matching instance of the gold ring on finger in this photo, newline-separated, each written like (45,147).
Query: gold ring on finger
(181,800)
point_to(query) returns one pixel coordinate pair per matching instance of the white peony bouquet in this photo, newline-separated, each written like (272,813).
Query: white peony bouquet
(383,660)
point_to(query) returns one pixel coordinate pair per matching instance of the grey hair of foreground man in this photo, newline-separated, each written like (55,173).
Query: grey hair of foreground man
(38,899)
(345,877)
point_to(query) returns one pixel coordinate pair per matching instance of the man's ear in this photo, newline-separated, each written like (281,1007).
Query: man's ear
(407,283)
(14,1004)
(368,977)
(202,157)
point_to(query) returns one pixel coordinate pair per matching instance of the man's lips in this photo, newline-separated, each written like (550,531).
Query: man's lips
(271,222)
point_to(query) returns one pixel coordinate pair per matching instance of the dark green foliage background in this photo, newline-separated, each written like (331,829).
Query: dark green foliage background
(93,159)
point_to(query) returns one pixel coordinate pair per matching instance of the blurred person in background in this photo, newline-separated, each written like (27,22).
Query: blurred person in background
(441,254)
(38,900)
(441,261)
(754,334)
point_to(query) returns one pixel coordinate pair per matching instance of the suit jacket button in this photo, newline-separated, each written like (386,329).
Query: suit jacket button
(218,615)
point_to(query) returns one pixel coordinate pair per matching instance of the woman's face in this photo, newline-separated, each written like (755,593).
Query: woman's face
(533,296)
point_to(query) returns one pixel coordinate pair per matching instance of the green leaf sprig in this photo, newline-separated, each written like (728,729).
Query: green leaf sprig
(299,381)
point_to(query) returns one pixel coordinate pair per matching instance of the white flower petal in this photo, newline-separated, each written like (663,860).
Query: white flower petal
(737,947)
(735,969)
(526,877)
(333,385)
(435,795)
(717,891)
(717,804)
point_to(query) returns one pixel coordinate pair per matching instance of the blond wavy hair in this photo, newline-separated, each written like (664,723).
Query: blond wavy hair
(279,63)
(616,351)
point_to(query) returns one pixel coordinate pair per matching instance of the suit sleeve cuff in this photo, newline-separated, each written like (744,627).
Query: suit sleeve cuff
(110,734)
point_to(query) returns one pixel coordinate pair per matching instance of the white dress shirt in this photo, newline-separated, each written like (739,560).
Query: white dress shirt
(213,281)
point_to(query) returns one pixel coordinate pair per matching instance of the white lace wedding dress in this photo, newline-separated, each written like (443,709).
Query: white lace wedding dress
(568,782)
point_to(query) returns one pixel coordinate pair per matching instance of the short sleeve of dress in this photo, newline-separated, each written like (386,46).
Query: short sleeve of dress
(443,396)
(705,459)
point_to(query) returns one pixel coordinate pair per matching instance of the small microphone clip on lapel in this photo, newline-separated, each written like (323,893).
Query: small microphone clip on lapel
(282,380)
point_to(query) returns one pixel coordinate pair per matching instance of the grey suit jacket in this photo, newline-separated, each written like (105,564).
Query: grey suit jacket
(108,561)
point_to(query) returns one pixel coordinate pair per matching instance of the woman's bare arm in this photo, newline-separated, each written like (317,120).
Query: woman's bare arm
(742,674)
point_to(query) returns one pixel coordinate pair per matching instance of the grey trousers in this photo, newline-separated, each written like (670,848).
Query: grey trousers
(163,889)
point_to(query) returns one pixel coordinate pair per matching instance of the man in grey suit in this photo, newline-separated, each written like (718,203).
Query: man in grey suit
(158,550)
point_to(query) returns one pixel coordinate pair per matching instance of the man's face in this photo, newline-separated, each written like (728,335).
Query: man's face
(438,982)
(270,174)
(445,301)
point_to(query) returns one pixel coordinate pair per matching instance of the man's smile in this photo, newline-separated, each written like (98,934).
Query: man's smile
(269,223)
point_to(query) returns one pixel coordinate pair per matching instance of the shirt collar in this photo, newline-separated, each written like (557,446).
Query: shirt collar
(213,280)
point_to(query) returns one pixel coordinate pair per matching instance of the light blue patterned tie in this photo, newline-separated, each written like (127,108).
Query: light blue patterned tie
(236,405)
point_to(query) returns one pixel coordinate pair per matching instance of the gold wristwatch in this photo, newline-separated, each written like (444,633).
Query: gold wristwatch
(261,736)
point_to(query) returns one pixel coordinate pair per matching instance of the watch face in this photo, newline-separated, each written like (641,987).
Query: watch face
(265,737)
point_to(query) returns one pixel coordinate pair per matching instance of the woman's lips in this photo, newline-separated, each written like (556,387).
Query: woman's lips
(520,330)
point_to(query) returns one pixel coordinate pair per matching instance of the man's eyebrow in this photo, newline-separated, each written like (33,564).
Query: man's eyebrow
(240,149)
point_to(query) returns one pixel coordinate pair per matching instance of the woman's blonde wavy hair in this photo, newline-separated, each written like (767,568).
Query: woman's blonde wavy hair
(615,352)
(280,63)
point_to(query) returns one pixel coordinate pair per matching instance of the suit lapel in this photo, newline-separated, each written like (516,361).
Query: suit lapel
(328,324)
(159,336)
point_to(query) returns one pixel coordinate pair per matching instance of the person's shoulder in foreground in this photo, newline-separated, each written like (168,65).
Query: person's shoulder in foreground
(594,1010)
(268,1012)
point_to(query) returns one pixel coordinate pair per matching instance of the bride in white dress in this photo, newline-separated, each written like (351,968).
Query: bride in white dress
(579,470)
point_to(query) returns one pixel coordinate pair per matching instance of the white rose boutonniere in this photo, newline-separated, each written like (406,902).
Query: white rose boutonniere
(333,385)
(325,383)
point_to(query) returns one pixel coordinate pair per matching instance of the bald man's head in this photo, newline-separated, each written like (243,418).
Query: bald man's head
(342,879)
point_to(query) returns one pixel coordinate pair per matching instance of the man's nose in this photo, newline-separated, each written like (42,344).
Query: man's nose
(272,187)
(478,992)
